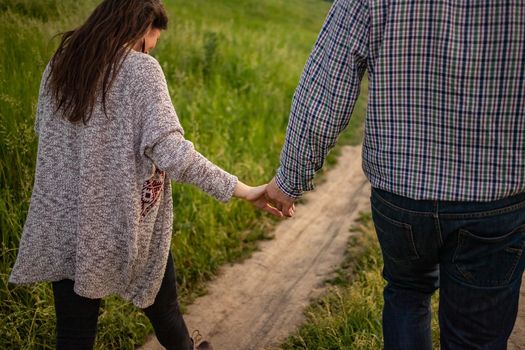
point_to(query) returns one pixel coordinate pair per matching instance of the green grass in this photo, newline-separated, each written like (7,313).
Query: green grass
(232,67)
(348,317)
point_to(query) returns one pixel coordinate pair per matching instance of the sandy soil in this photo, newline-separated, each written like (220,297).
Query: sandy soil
(258,303)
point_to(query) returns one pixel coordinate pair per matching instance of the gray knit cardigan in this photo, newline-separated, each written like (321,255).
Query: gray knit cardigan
(101,210)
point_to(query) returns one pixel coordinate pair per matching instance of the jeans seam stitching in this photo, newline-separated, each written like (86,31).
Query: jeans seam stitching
(508,276)
(454,258)
(513,269)
(520,228)
(415,255)
(438,229)
(481,214)
(392,221)
(411,235)
(515,265)
(402,209)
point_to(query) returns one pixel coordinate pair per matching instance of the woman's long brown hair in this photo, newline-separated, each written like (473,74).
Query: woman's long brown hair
(89,57)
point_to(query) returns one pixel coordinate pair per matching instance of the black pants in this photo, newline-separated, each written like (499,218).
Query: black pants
(77,316)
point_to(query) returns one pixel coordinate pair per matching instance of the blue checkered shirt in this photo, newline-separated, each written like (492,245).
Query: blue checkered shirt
(446,113)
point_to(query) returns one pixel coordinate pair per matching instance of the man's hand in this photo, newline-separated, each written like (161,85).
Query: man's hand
(279,199)
(256,196)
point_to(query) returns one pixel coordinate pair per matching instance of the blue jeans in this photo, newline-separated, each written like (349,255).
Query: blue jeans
(471,251)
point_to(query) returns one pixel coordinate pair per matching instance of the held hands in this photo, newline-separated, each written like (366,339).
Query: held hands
(267,197)
(257,196)
(279,199)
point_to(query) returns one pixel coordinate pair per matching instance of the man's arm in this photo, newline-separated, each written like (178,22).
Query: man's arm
(324,100)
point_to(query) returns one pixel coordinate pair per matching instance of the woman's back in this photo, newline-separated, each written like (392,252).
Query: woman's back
(101,210)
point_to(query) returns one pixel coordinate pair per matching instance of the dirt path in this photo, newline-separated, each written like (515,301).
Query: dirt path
(258,303)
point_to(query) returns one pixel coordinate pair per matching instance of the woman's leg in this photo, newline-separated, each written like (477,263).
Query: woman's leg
(76,317)
(165,314)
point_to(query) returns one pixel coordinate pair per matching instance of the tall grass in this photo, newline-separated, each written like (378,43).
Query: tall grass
(232,67)
(349,316)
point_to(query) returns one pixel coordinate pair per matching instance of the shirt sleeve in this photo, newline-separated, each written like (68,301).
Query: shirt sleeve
(326,94)
(162,137)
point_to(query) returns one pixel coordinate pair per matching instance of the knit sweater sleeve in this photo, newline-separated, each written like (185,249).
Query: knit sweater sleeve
(41,97)
(162,137)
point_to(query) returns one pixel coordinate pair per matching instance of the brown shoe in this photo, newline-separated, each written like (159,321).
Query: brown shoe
(200,344)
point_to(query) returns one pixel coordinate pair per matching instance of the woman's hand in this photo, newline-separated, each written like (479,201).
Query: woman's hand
(256,196)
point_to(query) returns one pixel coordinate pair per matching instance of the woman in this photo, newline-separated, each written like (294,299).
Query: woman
(100,218)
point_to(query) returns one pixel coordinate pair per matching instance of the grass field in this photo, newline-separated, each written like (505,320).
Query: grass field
(231,66)
(349,316)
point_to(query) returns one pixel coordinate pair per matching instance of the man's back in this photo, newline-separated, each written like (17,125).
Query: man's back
(446,110)
(446,89)
(444,150)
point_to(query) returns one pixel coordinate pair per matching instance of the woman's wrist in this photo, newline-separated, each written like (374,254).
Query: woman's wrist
(241,190)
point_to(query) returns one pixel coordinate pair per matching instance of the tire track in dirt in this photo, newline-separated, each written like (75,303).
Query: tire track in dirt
(256,304)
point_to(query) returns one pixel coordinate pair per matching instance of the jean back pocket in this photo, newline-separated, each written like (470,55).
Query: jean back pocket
(489,261)
(396,238)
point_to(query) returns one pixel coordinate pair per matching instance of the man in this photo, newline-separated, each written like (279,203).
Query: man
(444,150)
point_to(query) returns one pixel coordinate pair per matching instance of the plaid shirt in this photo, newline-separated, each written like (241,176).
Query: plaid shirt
(446,97)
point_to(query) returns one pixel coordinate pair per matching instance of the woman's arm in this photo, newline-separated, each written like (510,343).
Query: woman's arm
(162,140)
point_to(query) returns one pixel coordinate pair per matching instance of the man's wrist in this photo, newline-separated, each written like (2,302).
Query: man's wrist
(284,187)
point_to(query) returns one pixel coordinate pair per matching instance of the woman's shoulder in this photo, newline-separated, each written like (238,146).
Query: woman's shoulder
(141,75)
(138,64)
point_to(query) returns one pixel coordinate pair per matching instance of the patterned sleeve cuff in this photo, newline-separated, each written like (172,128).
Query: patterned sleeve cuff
(230,188)
(285,187)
